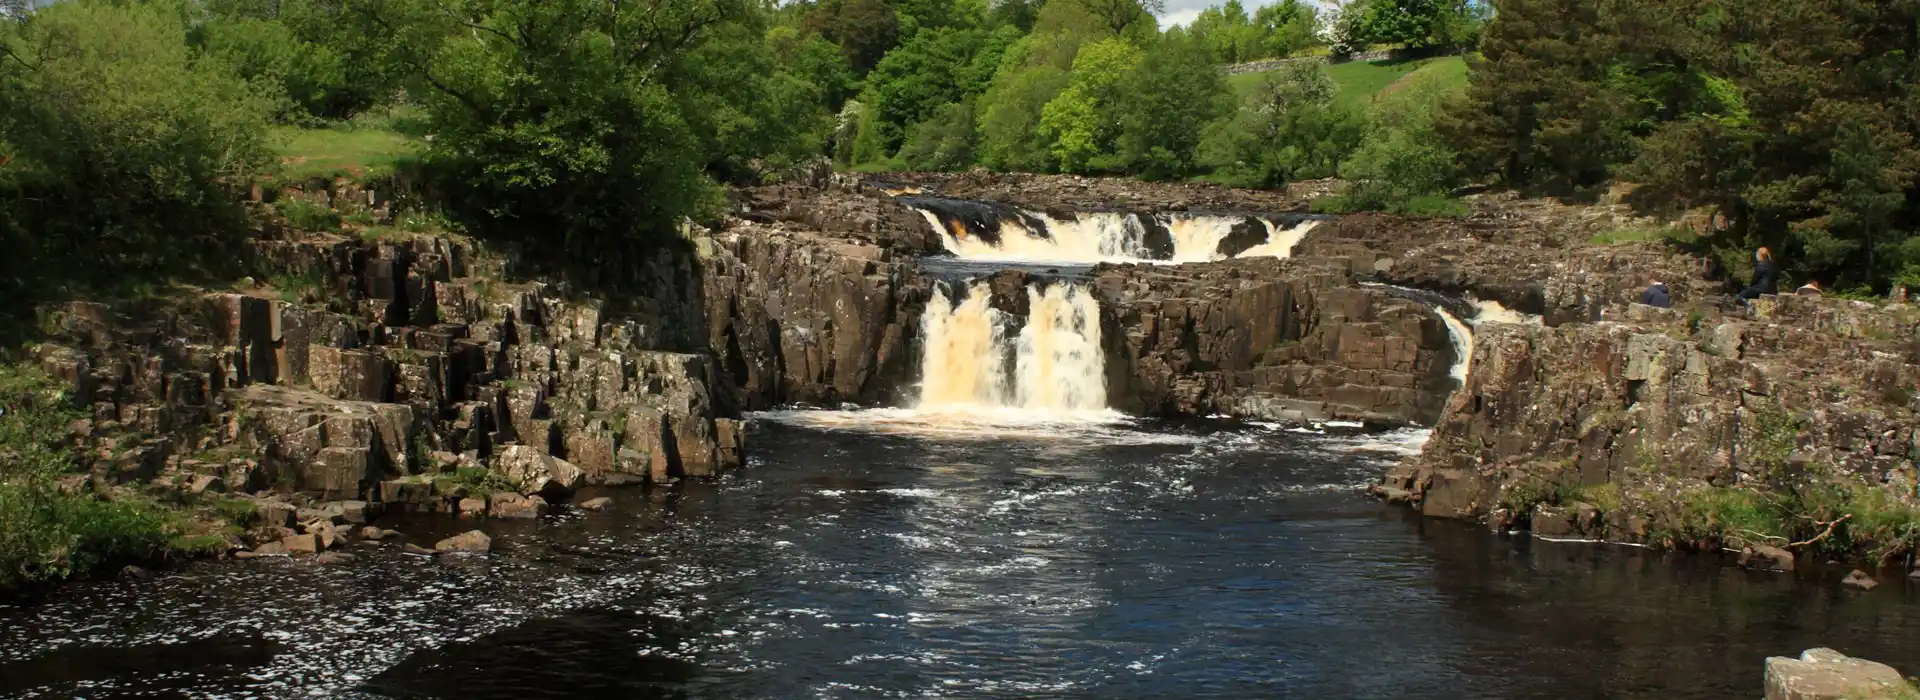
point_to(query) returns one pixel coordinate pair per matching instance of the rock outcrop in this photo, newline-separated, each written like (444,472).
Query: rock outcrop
(1265,338)
(1666,407)
(1825,674)
(800,317)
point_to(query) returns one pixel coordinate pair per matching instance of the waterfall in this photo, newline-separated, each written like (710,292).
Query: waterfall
(964,348)
(1460,333)
(1058,365)
(989,231)
(1061,365)
(1462,337)
(1197,238)
(1280,243)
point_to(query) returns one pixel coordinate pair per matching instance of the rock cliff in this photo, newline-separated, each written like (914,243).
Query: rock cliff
(1668,411)
(1271,339)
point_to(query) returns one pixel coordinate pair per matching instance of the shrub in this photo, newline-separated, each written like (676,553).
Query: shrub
(49,533)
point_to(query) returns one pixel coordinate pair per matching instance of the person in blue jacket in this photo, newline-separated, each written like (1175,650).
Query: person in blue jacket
(1765,276)
(1657,295)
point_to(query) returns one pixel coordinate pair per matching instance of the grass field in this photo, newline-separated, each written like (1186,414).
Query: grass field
(342,150)
(1361,81)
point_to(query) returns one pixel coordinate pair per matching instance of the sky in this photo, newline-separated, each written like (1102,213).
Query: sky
(1183,11)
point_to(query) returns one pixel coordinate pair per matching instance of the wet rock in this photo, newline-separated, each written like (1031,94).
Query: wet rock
(376,534)
(1586,518)
(472,507)
(1860,581)
(354,512)
(504,504)
(325,534)
(536,472)
(135,573)
(333,558)
(411,548)
(1764,558)
(301,544)
(1825,674)
(470,542)
(1552,521)
(596,504)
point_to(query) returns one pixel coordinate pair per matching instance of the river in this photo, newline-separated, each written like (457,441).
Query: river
(895,554)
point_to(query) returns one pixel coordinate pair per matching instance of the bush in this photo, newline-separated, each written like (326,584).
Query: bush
(51,534)
(127,151)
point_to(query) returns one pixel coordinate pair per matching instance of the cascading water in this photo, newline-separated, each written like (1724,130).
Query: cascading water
(1058,366)
(996,232)
(963,362)
(1280,242)
(1462,337)
(1061,365)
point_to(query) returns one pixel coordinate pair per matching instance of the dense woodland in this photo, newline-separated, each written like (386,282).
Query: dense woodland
(127,126)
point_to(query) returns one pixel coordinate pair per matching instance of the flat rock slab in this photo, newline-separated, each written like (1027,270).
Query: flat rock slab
(1825,674)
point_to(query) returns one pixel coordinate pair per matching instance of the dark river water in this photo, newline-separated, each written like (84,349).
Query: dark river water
(882,555)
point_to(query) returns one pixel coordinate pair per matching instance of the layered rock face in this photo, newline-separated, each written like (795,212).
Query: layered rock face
(411,372)
(1265,338)
(799,317)
(1662,402)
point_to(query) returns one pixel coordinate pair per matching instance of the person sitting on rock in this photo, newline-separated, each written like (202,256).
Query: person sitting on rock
(1810,289)
(1657,295)
(1764,276)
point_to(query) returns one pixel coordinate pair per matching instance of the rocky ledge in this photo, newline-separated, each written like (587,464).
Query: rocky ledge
(1787,432)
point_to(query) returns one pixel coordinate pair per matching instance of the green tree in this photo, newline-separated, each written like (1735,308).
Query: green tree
(817,61)
(864,29)
(1010,111)
(310,75)
(1228,32)
(945,142)
(1174,87)
(567,122)
(121,152)
(1286,130)
(1083,122)
(1286,27)
(935,68)
(1401,159)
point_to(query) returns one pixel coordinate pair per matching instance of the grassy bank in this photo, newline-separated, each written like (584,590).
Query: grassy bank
(56,527)
(1361,82)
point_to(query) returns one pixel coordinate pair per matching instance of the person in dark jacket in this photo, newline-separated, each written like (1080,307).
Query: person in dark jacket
(1764,276)
(1657,295)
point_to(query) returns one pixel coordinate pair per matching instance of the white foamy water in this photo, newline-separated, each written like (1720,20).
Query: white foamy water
(1059,367)
(1062,367)
(982,423)
(1095,237)
(1280,242)
(1489,311)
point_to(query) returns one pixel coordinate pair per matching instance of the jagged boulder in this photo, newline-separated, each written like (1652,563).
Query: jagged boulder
(1825,674)
(470,542)
(537,473)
